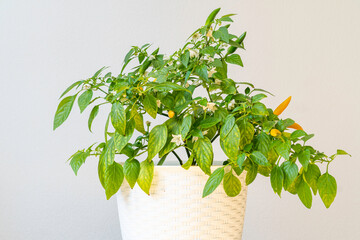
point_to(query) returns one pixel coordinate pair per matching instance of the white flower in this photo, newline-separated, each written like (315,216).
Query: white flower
(151,79)
(196,36)
(209,33)
(187,85)
(86,86)
(177,139)
(151,57)
(113,92)
(211,106)
(210,59)
(158,103)
(166,57)
(231,105)
(146,73)
(205,132)
(211,72)
(218,81)
(194,139)
(194,53)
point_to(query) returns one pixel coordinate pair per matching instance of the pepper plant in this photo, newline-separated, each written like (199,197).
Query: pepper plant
(252,136)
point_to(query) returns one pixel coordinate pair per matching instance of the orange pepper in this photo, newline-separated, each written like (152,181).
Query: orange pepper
(171,114)
(296,126)
(282,106)
(275,133)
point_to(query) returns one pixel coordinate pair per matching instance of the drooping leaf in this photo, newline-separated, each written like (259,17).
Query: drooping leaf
(232,185)
(222,34)
(209,122)
(63,110)
(251,173)
(259,109)
(114,177)
(118,117)
(263,143)
(185,126)
(327,189)
(230,143)
(185,57)
(213,182)
(240,160)
(259,158)
(203,154)
(139,121)
(108,154)
(146,175)
(312,175)
(277,179)
(283,149)
(120,140)
(84,99)
(291,171)
(227,127)
(150,105)
(157,140)
(131,171)
(246,133)
(77,160)
(93,114)
(304,193)
(304,158)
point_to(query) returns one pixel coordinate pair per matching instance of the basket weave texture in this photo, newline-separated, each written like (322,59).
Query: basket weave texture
(175,209)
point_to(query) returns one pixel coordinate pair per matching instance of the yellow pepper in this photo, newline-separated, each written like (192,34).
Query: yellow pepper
(275,133)
(171,114)
(282,106)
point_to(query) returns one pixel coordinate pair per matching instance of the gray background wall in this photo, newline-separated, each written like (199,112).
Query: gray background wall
(307,49)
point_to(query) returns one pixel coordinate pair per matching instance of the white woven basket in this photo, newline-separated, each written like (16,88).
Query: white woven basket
(175,208)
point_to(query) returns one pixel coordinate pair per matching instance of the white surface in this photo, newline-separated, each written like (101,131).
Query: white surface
(175,209)
(307,49)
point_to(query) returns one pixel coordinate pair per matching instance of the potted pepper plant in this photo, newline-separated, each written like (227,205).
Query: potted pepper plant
(198,107)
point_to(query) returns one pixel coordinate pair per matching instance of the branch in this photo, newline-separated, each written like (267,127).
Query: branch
(177,156)
(214,138)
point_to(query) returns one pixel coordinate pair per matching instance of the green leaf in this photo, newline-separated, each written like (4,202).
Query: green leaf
(240,160)
(71,87)
(277,179)
(157,140)
(262,143)
(297,134)
(202,72)
(118,117)
(212,16)
(283,149)
(234,59)
(120,140)
(93,114)
(77,160)
(246,133)
(146,175)
(188,163)
(150,105)
(327,188)
(258,97)
(114,177)
(228,86)
(304,193)
(209,122)
(231,184)
(304,158)
(259,158)
(291,171)
(259,109)
(228,126)
(222,34)
(342,152)
(101,169)
(230,143)
(185,126)
(139,121)
(213,182)
(203,154)
(312,175)
(131,171)
(84,99)
(184,58)
(108,155)
(251,173)
(168,86)
(63,110)
(98,72)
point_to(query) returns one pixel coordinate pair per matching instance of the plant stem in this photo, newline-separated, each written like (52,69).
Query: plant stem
(187,152)
(214,138)
(177,156)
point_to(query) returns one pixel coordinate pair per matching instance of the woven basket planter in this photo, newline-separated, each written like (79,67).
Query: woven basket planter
(175,208)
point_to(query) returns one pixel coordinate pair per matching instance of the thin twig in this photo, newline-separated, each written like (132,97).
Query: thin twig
(177,156)
(214,138)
